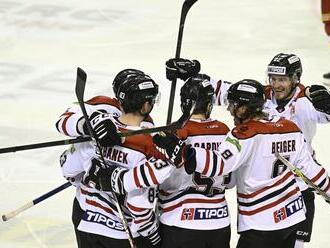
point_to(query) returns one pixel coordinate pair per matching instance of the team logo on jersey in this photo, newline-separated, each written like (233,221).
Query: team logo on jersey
(204,213)
(188,214)
(95,217)
(288,210)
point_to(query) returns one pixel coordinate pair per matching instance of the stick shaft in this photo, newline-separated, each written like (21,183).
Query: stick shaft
(184,11)
(37,200)
(300,174)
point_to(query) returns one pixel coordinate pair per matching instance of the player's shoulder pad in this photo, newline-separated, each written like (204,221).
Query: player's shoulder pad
(97,100)
(193,128)
(252,128)
(141,142)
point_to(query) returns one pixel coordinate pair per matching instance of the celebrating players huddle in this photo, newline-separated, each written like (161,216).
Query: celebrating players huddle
(171,186)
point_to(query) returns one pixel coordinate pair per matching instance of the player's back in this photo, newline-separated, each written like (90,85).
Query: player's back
(194,201)
(267,193)
(101,215)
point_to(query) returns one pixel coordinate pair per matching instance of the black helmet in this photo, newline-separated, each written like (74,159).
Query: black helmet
(199,89)
(122,76)
(247,92)
(285,65)
(135,91)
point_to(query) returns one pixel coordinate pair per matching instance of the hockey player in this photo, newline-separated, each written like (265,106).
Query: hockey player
(285,97)
(270,205)
(194,211)
(193,208)
(72,123)
(306,107)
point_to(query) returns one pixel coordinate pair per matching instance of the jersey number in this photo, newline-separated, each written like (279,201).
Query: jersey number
(203,184)
(279,167)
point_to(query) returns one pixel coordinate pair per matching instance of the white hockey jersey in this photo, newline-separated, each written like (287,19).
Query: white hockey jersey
(195,201)
(70,123)
(267,193)
(101,216)
(220,91)
(299,110)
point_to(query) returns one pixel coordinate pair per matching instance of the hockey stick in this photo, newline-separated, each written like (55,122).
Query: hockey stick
(171,127)
(184,11)
(37,200)
(300,174)
(80,90)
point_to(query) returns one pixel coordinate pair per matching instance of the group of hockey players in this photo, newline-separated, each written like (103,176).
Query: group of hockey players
(171,185)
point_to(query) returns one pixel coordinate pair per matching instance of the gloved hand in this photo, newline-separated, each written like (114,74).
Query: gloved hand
(169,145)
(105,178)
(182,68)
(190,160)
(320,98)
(104,128)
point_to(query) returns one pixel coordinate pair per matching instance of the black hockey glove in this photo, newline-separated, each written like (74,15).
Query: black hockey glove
(190,160)
(105,178)
(320,98)
(169,145)
(104,128)
(182,68)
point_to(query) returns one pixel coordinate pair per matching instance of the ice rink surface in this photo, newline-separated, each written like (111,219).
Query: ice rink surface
(42,43)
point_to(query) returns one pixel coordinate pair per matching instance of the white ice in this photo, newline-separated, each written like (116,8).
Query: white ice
(42,43)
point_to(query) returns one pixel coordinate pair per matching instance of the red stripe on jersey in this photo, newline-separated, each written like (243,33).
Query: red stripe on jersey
(162,192)
(328,186)
(68,114)
(207,162)
(246,196)
(152,174)
(222,165)
(142,220)
(136,178)
(317,177)
(192,200)
(217,91)
(96,204)
(270,205)
(104,100)
(136,209)
(255,127)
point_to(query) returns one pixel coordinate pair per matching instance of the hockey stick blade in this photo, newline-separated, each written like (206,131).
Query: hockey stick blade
(184,11)
(300,174)
(80,84)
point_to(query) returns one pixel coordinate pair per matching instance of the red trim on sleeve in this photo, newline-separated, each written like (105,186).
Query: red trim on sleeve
(317,177)
(152,174)
(68,114)
(136,178)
